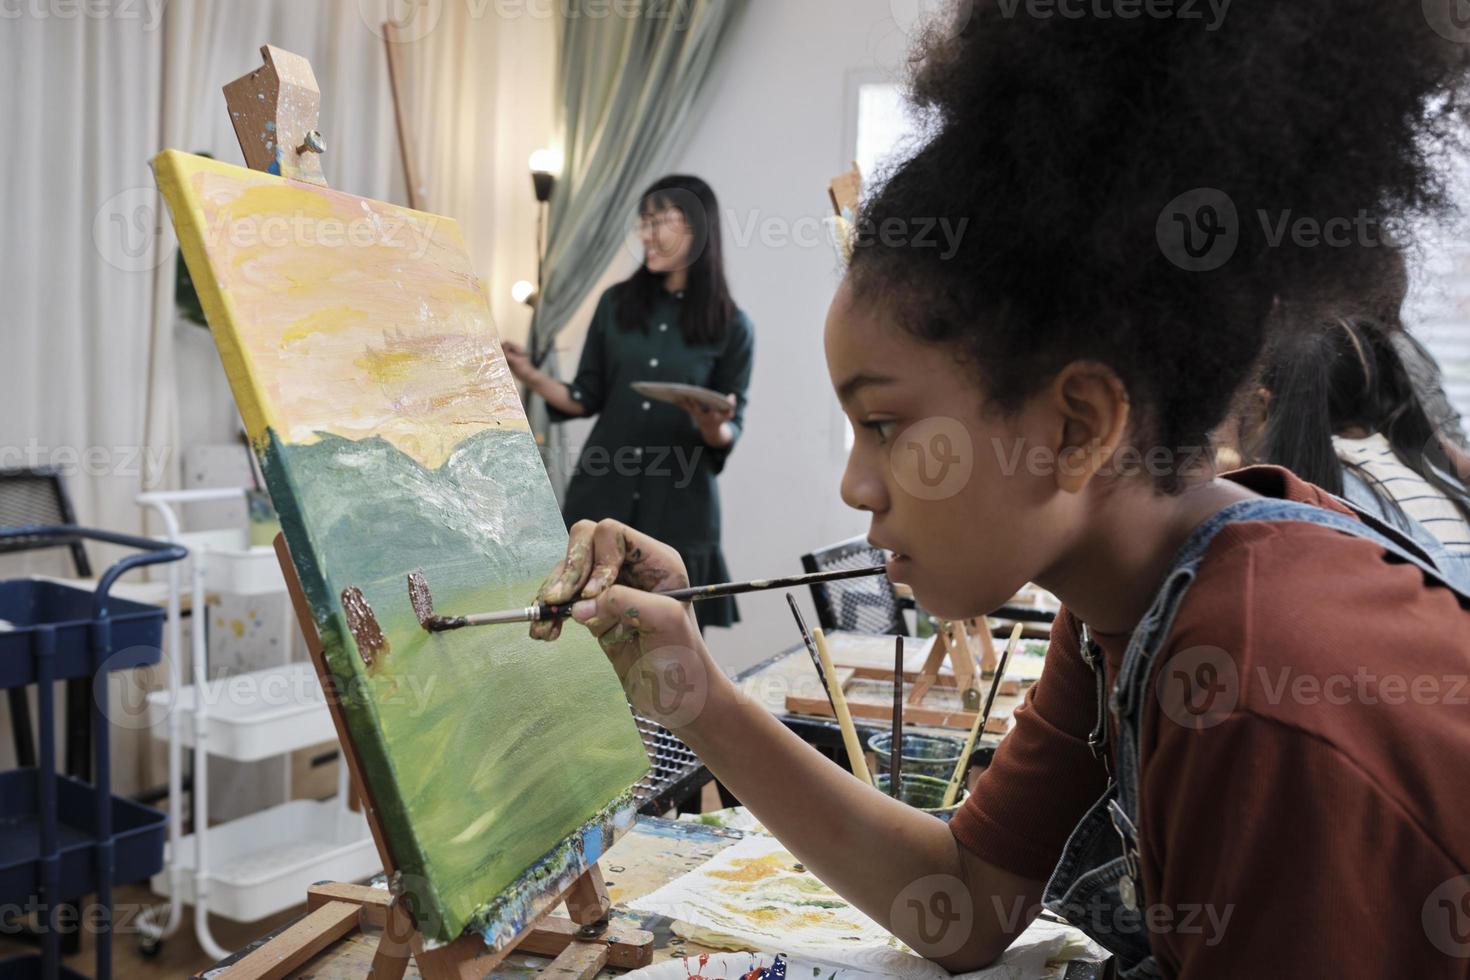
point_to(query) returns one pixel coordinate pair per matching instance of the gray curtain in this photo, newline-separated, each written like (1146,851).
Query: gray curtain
(626,88)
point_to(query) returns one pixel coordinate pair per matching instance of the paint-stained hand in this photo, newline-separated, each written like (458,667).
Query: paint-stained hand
(602,554)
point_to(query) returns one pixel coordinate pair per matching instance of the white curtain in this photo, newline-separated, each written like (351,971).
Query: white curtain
(98,373)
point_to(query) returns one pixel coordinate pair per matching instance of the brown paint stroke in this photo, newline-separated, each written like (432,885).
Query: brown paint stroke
(420,599)
(371,643)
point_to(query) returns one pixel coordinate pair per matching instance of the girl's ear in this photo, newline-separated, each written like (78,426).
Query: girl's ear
(1092,405)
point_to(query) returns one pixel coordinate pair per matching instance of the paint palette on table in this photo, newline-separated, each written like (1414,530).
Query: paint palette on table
(360,350)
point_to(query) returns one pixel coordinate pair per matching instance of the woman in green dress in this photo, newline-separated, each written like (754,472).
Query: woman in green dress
(647,463)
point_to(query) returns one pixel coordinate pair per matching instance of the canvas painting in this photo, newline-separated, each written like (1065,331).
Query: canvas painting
(359,347)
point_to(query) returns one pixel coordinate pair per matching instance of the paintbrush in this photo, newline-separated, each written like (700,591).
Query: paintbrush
(855,757)
(895,740)
(811,649)
(423,602)
(953,789)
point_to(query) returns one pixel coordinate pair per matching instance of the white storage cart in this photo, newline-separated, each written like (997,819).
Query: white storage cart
(262,863)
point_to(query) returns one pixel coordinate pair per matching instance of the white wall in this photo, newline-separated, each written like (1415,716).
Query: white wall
(774,132)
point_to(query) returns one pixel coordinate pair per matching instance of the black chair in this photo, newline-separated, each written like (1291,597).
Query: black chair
(861,605)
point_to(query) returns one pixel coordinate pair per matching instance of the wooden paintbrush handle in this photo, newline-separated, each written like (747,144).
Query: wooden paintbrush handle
(854,747)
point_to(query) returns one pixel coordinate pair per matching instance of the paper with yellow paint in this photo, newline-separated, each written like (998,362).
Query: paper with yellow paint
(755,896)
(359,347)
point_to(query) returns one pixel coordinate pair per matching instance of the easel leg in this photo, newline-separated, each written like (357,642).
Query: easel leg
(390,962)
(929,673)
(587,900)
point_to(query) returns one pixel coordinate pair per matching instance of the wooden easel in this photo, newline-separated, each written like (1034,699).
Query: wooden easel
(583,943)
(937,696)
(962,640)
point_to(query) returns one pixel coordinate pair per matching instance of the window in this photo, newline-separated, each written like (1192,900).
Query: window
(885,126)
(880,130)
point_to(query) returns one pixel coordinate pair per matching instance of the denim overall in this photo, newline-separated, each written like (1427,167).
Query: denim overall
(1097,884)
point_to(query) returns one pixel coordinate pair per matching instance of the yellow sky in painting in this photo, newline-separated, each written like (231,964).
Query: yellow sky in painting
(346,315)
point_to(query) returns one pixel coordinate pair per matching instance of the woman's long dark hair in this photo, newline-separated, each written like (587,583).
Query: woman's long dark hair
(708,308)
(1341,375)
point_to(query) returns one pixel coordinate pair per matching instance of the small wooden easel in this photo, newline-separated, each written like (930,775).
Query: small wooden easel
(584,942)
(962,640)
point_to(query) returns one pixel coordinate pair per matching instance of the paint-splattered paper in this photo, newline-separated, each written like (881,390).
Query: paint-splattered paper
(755,896)
(358,343)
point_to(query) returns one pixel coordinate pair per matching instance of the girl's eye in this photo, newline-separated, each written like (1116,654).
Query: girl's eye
(882,428)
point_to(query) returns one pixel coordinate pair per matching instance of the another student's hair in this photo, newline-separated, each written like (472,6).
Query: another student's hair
(1063,142)
(1330,378)
(708,308)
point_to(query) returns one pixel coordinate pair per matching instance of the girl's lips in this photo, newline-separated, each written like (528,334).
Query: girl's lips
(898,565)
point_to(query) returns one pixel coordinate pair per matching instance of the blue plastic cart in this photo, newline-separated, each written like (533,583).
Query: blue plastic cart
(62,839)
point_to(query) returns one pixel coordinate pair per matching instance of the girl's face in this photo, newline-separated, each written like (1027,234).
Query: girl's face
(668,241)
(963,495)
